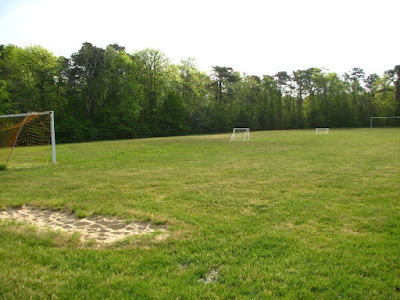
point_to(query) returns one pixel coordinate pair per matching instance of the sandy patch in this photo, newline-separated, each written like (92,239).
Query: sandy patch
(103,230)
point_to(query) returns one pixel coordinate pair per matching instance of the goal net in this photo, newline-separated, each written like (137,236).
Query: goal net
(27,139)
(321,130)
(240,134)
(384,122)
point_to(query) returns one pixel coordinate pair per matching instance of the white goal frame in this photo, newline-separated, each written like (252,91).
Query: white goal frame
(370,122)
(246,136)
(52,130)
(322,129)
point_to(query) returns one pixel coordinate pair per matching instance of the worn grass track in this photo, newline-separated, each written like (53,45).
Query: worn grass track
(289,214)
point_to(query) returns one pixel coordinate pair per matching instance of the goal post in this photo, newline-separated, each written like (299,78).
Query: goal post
(322,130)
(240,134)
(375,118)
(27,130)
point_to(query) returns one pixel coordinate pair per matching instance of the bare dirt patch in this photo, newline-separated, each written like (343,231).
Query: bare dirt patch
(102,229)
(211,277)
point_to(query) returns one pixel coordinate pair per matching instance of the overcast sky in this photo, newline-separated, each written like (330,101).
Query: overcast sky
(258,37)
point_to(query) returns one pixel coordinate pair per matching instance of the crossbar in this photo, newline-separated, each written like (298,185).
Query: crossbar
(34,113)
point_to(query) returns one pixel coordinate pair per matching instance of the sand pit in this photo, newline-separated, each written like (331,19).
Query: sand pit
(103,230)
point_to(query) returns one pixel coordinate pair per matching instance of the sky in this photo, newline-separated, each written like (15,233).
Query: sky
(255,37)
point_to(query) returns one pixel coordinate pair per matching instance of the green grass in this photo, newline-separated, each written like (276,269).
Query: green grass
(290,214)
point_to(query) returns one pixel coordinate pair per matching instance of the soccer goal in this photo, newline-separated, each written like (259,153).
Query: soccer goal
(240,134)
(27,139)
(324,130)
(385,121)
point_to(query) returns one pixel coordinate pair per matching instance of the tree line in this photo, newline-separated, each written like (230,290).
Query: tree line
(109,93)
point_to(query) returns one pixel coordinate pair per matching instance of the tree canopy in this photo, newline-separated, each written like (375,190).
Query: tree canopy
(111,94)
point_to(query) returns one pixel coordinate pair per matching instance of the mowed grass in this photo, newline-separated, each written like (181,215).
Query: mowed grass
(290,214)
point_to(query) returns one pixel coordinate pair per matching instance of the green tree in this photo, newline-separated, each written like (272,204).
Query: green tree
(86,76)
(250,106)
(303,83)
(224,78)
(396,79)
(173,115)
(341,114)
(5,105)
(322,113)
(384,101)
(272,103)
(29,79)
(119,108)
(195,93)
(152,70)
(286,87)
(358,100)
(371,91)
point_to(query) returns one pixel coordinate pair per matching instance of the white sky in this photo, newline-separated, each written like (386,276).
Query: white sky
(252,36)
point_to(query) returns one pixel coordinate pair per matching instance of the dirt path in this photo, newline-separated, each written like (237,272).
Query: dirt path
(103,230)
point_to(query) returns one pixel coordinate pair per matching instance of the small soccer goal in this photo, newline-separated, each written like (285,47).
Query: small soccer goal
(323,130)
(27,139)
(240,134)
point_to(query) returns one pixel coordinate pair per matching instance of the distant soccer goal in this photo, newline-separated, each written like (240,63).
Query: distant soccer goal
(27,138)
(240,134)
(324,130)
(384,122)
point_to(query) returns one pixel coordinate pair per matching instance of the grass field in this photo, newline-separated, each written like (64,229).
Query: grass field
(290,214)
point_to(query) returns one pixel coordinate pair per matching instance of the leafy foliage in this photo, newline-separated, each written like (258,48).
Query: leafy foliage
(111,94)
